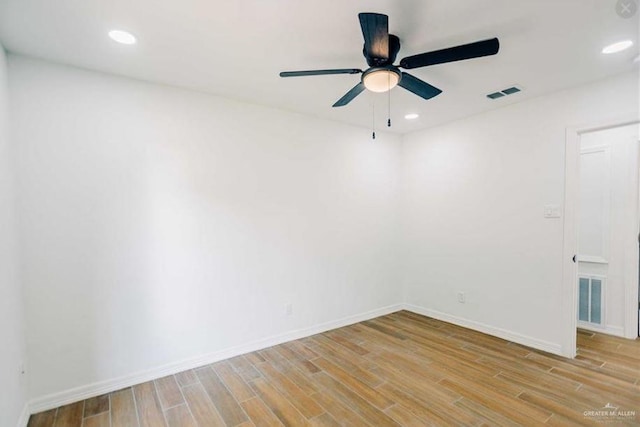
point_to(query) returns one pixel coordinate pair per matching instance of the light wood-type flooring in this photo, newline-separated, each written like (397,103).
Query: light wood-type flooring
(401,369)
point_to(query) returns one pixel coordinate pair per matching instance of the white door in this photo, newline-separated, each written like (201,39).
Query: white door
(608,227)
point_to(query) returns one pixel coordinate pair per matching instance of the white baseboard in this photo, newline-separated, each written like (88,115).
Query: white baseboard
(24,416)
(55,400)
(617,331)
(547,346)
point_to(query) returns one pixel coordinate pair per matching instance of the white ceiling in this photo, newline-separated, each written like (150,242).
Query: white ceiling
(236,49)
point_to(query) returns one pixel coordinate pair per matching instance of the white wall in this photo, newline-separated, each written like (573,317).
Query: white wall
(12,382)
(160,224)
(473,198)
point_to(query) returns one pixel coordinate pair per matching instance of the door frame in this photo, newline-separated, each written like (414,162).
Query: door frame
(570,240)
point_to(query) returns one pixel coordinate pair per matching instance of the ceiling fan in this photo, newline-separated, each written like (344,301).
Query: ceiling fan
(380,50)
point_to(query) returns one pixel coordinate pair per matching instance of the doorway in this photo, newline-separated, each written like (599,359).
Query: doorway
(602,226)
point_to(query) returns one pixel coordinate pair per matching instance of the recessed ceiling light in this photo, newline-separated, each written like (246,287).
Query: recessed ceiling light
(617,47)
(411,116)
(122,37)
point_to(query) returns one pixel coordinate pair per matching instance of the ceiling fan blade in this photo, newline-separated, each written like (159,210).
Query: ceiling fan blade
(452,54)
(348,97)
(319,72)
(417,86)
(375,29)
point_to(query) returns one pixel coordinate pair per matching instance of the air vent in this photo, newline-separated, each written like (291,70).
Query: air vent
(511,90)
(590,299)
(504,92)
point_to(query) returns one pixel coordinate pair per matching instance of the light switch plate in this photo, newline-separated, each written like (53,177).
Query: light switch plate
(552,211)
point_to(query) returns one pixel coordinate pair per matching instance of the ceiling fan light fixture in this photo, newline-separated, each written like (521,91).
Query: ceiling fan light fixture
(380,79)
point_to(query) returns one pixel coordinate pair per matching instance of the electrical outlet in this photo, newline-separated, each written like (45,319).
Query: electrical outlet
(462,297)
(288,309)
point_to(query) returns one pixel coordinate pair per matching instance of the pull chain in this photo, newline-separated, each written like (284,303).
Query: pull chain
(389,101)
(373,120)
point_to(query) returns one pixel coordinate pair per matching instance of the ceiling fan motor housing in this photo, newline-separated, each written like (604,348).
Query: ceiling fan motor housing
(394,48)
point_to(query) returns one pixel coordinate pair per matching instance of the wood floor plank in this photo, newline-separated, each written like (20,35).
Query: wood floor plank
(180,416)
(359,370)
(254,357)
(234,382)
(279,405)
(149,408)
(528,374)
(306,405)
(302,350)
(361,351)
(384,329)
(303,378)
(298,367)
(288,353)
(348,333)
(391,362)
(330,349)
(244,368)
(493,418)
(560,421)
(369,393)
(227,406)
(324,420)
(339,410)
(601,381)
(558,406)
(628,350)
(96,405)
(123,409)
(101,420)
(417,384)
(498,402)
(626,373)
(168,392)
(544,387)
(623,397)
(43,419)
(366,410)
(70,415)
(275,359)
(406,418)
(186,378)
(260,413)
(429,409)
(202,408)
